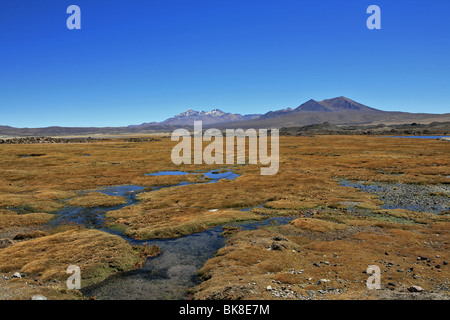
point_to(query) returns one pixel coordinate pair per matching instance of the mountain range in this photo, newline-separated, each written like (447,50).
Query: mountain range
(207,117)
(337,111)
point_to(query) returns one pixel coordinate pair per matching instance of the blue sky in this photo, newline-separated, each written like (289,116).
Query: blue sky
(138,61)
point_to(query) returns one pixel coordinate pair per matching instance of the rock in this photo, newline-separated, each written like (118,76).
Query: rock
(415,289)
(17,275)
(422,258)
(5,243)
(38,297)
(275,246)
(269,288)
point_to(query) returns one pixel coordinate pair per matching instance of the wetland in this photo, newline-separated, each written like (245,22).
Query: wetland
(337,204)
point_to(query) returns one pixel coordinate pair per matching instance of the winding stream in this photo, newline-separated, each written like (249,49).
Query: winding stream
(172,273)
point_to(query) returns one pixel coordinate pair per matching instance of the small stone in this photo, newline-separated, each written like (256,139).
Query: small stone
(17,275)
(415,289)
(269,288)
(275,246)
(391,284)
(39,297)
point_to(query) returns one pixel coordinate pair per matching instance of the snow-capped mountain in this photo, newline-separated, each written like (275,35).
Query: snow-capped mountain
(207,117)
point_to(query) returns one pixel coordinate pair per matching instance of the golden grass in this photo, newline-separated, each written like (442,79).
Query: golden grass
(21,220)
(173,222)
(98,254)
(317,225)
(245,267)
(96,199)
(310,169)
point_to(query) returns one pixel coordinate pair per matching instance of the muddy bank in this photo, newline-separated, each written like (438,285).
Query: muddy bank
(421,198)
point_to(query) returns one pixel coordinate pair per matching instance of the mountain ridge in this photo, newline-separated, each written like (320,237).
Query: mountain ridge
(337,111)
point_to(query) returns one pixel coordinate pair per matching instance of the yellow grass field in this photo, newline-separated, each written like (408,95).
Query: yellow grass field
(33,189)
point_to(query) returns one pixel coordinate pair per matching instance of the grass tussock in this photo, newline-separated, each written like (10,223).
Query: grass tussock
(98,254)
(174,222)
(96,199)
(22,220)
(317,225)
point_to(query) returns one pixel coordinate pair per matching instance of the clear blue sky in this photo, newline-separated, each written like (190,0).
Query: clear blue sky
(138,61)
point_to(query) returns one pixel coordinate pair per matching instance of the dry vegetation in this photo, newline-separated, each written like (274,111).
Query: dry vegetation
(96,199)
(33,188)
(46,258)
(304,258)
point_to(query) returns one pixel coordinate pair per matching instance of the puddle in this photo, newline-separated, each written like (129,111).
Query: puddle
(210,176)
(93,217)
(249,208)
(23,156)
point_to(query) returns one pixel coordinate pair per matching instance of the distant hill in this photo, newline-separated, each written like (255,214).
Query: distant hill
(339,104)
(340,111)
(434,128)
(336,111)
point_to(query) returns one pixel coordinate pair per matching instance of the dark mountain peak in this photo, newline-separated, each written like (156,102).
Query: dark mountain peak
(312,105)
(344,104)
